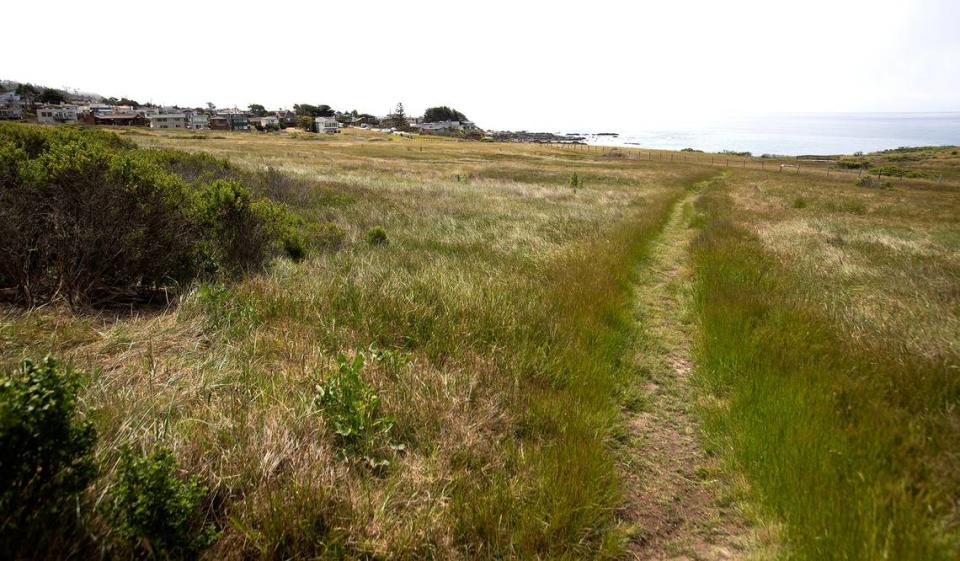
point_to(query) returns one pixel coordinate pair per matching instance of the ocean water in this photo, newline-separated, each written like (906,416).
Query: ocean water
(799,134)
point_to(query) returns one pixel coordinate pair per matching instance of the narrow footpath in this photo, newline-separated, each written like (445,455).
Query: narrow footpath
(677,507)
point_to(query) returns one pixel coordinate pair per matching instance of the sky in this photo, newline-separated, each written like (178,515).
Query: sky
(552,66)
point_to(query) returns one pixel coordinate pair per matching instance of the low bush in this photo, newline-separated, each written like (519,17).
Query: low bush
(90,219)
(46,455)
(158,514)
(377,236)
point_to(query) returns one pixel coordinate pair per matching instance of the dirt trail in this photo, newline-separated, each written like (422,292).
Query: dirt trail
(674,504)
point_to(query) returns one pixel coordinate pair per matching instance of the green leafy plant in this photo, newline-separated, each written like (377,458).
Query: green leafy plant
(157,513)
(46,452)
(352,408)
(377,236)
(575,181)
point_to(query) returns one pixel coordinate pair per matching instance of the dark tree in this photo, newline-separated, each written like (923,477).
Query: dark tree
(257,109)
(443,113)
(50,95)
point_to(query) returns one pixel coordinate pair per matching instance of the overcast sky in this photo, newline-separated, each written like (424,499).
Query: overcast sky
(506,64)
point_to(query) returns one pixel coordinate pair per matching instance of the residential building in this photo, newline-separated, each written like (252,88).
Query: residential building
(169,121)
(57,114)
(269,121)
(116,119)
(326,124)
(230,121)
(199,122)
(11,106)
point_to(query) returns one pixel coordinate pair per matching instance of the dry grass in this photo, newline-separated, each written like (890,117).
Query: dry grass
(501,302)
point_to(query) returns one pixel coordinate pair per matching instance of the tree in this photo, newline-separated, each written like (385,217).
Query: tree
(50,95)
(397,119)
(211,106)
(257,109)
(443,113)
(307,110)
(305,122)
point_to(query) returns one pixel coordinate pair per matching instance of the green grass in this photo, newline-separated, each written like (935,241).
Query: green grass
(847,438)
(508,297)
(498,327)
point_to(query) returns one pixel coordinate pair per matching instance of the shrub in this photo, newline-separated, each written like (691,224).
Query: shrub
(46,454)
(89,225)
(88,218)
(575,181)
(799,202)
(158,514)
(352,408)
(377,236)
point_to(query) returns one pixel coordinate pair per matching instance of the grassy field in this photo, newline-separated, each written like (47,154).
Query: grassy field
(829,359)
(497,325)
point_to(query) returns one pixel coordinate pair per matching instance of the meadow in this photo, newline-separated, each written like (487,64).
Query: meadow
(451,370)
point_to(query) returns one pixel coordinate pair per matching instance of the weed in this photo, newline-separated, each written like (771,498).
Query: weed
(352,408)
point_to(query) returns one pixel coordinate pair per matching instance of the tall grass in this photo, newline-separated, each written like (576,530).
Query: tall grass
(852,442)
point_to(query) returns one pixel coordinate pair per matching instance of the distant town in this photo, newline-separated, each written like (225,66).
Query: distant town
(51,106)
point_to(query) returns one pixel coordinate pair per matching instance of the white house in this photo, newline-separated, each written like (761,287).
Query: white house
(326,124)
(11,106)
(169,121)
(270,121)
(199,122)
(56,114)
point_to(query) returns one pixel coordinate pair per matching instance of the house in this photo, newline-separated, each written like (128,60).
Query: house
(198,122)
(169,121)
(116,119)
(269,121)
(326,124)
(57,114)
(11,106)
(230,121)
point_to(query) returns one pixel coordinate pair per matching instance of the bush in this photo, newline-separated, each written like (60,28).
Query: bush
(241,232)
(352,408)
(377,236)
(46,454)
(799,202)
(89,218)
(158,514)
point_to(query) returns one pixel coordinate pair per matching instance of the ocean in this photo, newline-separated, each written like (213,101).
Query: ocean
(798,134)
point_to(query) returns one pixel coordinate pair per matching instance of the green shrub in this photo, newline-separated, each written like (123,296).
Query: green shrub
(158,514)
(352,408)
(46,454)
(377,236)
(575,181)
(799,202)
(91,219)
